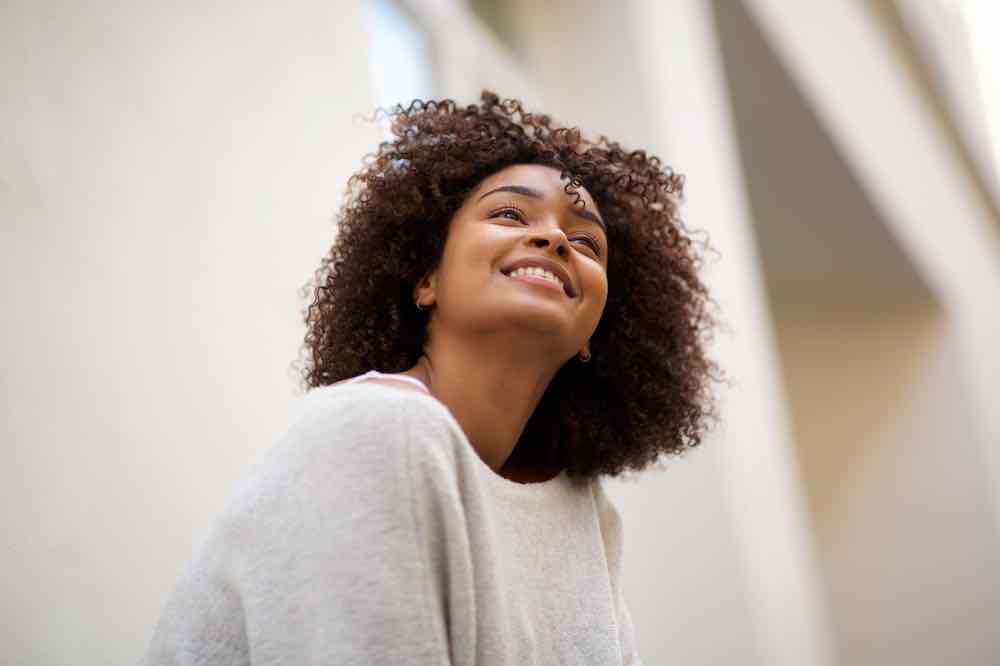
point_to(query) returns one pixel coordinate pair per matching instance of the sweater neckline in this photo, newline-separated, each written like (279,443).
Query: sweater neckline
(503,484)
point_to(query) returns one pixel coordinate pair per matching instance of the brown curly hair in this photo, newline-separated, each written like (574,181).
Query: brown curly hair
(647,390)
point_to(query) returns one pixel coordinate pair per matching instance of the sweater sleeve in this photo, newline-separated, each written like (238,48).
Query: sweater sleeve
(613,534)
(347,545)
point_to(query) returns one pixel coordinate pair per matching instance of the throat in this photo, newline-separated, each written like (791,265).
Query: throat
(518,473)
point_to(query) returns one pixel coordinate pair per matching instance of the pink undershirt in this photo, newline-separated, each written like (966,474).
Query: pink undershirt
(384,375)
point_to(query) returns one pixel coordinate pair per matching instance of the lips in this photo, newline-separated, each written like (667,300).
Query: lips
(547,264)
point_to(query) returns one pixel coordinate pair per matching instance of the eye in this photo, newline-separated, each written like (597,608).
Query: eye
(510,210)
(594,245)
(511,214)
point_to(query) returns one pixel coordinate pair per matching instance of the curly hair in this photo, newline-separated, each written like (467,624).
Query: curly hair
(647,390)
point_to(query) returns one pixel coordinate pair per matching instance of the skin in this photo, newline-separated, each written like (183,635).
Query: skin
(495,342)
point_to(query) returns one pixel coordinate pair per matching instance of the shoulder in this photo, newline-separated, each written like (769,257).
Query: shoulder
(401,382)
(609,519)
(335,521)
(353,457)
(372,409)
(353,439)
(606,508)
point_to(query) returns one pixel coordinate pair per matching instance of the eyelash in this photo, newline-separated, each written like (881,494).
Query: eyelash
(513,208)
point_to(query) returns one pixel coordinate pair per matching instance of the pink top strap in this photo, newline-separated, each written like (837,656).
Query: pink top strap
(375,374)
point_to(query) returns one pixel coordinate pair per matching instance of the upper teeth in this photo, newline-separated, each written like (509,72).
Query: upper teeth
(534,270)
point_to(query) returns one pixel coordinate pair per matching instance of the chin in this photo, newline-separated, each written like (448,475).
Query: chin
(541,318)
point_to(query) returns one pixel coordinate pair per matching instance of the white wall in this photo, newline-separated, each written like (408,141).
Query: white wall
(168,176)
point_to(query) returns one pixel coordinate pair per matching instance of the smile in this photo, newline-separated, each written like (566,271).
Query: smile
(545,271)
(547,281)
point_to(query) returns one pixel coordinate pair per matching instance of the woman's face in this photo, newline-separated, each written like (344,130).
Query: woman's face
(522,217)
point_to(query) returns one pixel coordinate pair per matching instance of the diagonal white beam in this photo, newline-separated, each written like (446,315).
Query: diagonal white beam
(859,88)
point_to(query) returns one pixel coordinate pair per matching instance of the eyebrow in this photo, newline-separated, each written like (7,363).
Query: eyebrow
(531,192)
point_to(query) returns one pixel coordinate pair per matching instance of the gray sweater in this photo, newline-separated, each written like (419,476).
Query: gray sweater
(372,533)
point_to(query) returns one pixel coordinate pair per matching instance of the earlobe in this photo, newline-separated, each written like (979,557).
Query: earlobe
(424,292)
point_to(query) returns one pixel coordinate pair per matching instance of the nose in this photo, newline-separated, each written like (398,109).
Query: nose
(550,235)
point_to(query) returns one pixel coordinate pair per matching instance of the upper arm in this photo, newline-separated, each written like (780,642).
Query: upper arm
(337,547)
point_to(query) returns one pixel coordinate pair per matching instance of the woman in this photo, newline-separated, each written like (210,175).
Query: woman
(508,313)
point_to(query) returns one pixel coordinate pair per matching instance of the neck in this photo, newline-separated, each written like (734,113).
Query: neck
(491,390)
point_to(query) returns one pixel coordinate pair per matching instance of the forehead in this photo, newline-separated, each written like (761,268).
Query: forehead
(537,176)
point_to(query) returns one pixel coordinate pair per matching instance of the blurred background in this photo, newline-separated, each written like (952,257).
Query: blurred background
(168,178)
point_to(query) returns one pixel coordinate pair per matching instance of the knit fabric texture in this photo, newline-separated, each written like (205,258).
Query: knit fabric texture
(373,533)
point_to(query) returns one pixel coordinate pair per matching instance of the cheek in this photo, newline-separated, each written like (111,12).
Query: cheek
(596,285)
(465,266)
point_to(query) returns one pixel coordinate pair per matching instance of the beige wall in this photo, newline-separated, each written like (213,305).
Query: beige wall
(168,175)
(897,487)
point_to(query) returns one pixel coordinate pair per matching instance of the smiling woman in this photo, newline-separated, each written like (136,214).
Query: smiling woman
(591,208)
(509,313)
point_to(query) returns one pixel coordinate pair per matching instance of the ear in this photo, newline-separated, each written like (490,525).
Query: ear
(424,292)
